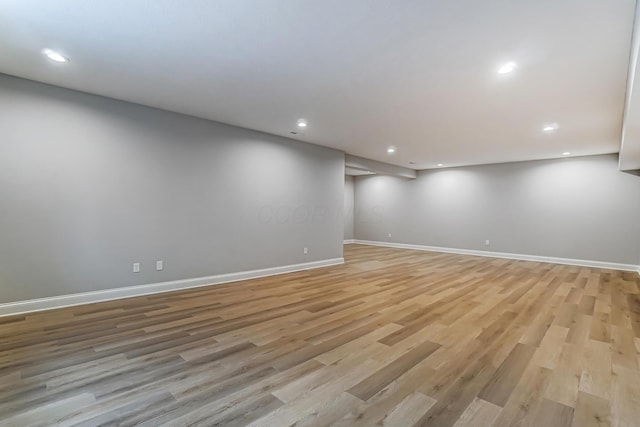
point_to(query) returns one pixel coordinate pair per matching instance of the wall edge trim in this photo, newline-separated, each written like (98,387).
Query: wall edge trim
(69,300)
(506,255)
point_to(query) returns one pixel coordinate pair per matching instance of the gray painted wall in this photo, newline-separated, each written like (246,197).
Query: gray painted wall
(348,207)
(580,208)
(89,185)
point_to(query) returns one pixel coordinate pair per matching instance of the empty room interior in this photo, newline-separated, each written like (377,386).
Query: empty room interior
(320,213)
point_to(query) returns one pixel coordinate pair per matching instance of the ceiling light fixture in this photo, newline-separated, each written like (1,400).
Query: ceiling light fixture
(440,165)
(507,68)
(566,153)
(551,127)
(391,150)
(302,123)
(55,56)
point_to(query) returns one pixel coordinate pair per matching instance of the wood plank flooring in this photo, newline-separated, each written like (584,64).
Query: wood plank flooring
(392,338)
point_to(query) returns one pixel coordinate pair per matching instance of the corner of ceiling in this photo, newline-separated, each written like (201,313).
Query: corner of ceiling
(363,164)
(629,159)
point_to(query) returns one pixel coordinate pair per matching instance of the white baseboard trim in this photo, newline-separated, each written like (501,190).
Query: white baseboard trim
(521,257)
(349,241)
(61,301)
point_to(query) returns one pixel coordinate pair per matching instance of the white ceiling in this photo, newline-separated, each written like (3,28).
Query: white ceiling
(366,74)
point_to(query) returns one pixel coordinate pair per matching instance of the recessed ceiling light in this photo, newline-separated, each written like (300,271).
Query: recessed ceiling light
(302,123)
(551,127)
(566,153)
(440,165)
(391,150)
(55,56)
(507,68)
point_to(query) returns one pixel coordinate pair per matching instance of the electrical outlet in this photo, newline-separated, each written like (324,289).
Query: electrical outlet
(389,234)
(486,242)
(159,265)
(136,267)
(305,251)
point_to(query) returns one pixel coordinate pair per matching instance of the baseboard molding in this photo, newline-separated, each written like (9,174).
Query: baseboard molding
(61,301)
(521,257)
(349,241)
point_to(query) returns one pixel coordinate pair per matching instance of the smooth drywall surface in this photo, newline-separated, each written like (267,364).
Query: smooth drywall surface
(90,185)
(362,164)
(579,208)
(348,207)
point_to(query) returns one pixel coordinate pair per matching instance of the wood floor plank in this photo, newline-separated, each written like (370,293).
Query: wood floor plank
(130,414)
(591,411)
(375,382)
(458,396)
(550,413)
(330,412)
(579,330)
(409,411)
(625,400)
(392,337)
(315,399)
(597,371)
(564,383)
(499,388)
(525,397)
(51,413)
(379,407)
(550,348)
(623,348)
(479,413)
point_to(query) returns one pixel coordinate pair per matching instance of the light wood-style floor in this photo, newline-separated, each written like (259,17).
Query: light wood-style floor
(393,337)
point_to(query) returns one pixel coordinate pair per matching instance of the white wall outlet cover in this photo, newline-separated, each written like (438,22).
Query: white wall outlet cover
(136,267)
(159,265)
